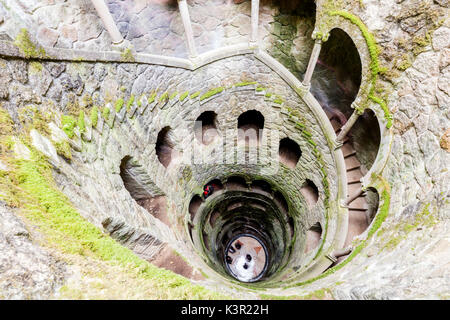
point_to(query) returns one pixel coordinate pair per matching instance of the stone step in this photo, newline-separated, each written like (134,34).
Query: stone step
(347,149)
(355,167)
(351,162)
(354,176)
(357,218)
(357,224)
(353,188)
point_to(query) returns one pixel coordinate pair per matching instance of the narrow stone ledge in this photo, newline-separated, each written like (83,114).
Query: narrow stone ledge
(221,53)
(121,114)
(133,109)
(211,98)
(8,49)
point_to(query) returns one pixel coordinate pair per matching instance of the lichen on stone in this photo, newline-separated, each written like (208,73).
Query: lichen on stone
(119,104)
(105,113)
(194,95)
(27,47)
(211,93)
(127,55)
(94,116)
(80,123)
(184,95)
(374,62)
(68,125)
(63,149)
(130,102)
(164,97)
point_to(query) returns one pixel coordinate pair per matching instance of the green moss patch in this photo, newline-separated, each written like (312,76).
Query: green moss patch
(63,149)
(127,55)
(130,102)
(374,62)
(105,113)
(67,231)
(278,101)
(195,95)
(81,124)
(400,231)
(164,97)
(152,98)
(35,67)
(211,93)
(244,84)
(68,125)
(94,116)
(319,294)
(119,104)
(184,95)
(27,47)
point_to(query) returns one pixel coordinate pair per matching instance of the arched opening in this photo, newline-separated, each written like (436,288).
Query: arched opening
(313,236)
(157,207)
(205,127)
(190,229)
(205,240)
(337,77)
(236,183)
(291,226)
(127,178)
(281,201)
(289,152)
(302,8)
(261,186)
(213,218)
(250,126)
(164,147)
(366,137)
(216,184)
(136,182)
(373,201)
(195,203)
(310,192)
(361,212)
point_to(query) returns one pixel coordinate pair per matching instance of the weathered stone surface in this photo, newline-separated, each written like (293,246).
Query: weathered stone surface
(27,271)
(441,38)
(89,27)
(47,37)
(19,71)
(445,141)
(55,69)
(413,24)
(69,32)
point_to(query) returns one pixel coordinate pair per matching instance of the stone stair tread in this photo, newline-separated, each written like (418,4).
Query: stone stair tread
(353,188)
(359,204)
(350,155)
(351,162)
(349,168)
(354,175)
(347,149)
(357,224)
